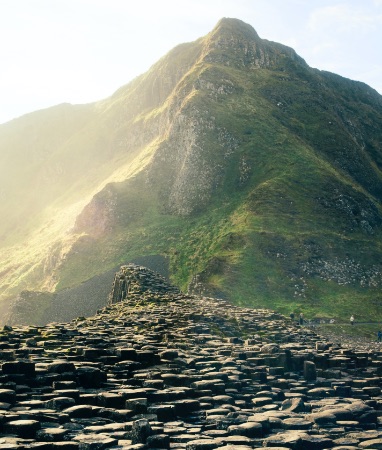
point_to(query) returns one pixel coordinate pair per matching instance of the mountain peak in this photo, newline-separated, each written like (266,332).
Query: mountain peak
(235,43)
(228,24)
(253,176)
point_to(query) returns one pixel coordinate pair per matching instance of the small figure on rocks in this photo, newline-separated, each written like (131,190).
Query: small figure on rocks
(352,320)
(301,319)
(379,336)
(291,315)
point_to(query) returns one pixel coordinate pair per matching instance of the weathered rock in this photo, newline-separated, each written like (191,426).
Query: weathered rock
(60,403)
(95,441)
(140,431)
(248,429)
(291,439)
(167,370)
(310,373)
(371,444)
(296,405)
(202,444)
(90,377)
(20,367)
(22,428)
(7,396)
(52,434)
(77,411)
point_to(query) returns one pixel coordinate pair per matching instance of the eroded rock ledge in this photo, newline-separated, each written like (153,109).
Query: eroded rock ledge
(164,370)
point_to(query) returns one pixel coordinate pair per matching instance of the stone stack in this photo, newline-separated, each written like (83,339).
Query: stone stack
(134,279)
(165,370)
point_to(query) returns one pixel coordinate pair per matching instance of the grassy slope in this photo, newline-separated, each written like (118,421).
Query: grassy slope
(282,215)
(270,210)
(53,161)
(250,243)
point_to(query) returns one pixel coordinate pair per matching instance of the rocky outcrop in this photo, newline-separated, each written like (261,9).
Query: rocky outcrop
(165,370)
(133,279)
(251,51)
(97,218)
(40,308)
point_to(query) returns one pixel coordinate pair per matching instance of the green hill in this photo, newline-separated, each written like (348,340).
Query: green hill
(257,177)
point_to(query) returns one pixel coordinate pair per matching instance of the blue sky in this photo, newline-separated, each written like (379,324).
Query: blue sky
(79,51)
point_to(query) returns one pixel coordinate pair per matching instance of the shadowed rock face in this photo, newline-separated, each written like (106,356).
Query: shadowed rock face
(165,370)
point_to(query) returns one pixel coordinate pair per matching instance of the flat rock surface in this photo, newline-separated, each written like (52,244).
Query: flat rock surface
(163,370)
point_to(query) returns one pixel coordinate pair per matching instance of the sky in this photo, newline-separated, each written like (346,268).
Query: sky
(81,51)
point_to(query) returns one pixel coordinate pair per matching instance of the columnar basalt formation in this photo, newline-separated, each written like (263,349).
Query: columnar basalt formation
(166,370)
(134,279)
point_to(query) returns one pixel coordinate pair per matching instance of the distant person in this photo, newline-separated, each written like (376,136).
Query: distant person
(301,319)
(379,336)
(351,320)
(291,315)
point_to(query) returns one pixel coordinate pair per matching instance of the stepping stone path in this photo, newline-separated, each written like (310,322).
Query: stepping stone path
(158,369)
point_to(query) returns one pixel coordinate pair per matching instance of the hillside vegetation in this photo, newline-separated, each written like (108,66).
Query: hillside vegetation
(257,177)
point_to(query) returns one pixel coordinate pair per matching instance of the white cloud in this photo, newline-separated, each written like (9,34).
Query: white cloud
(345,18)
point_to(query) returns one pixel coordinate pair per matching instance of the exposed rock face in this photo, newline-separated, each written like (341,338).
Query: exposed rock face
(164,370)
(251,51)
(97,218)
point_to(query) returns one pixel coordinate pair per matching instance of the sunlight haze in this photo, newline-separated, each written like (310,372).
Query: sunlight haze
(80,51)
